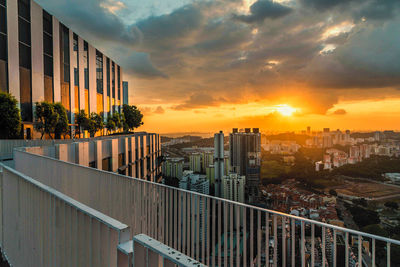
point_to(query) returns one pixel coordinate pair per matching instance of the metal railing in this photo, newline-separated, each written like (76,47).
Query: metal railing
(43,227)
(213,231)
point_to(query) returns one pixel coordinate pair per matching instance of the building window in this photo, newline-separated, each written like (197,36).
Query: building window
(65,67)
(108,84)
(3,47)
(99,81)
(48,56)
(76,72)
(119,83)
(86,74)
(113,85)
(24,38)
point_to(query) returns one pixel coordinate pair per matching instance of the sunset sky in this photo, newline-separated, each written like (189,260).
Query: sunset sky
(207,65)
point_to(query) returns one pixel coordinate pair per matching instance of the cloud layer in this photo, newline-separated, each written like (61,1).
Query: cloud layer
(198,54)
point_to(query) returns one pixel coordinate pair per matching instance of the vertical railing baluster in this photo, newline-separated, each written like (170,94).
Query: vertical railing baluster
(251,237)
(244,238)
(323,247)
(275,240)
(176,204)
(208,230)
(198,228)
(203,230)
(346,240)
(283,222)
(193,234)
(237,210)
(225,234)
(179,226)
(214,207)
(231,222)
(388,254)
(373,252)
(359,250)
(259,237)
(312,245)
(303,249)
(334,249)
(184,222)
(267,239)
(219,221)
(293,242)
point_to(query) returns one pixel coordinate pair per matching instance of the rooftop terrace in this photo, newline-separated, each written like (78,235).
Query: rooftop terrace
(59,213)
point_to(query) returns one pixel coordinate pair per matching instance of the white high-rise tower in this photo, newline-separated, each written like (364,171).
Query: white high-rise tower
(218,161)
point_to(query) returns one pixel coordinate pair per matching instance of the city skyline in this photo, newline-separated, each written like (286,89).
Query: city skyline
(332,62)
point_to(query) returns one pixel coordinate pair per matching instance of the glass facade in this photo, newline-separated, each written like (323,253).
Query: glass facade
(48,56)
(86,74)
(24,46)
(99,81)
(113,85)
(119,83)
(65,67)
(108,85)
(3,47)
(76,73)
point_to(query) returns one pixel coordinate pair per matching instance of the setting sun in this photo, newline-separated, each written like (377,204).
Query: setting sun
(285,110)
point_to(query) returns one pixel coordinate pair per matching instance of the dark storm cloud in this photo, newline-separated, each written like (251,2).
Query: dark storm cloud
(263,9)
(378,10)
(323,5)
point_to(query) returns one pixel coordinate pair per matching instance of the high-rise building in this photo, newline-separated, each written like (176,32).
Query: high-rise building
(195,162)
(41,59)
(245,158)
(233,187)
(308,129)
(125,89)
(218,161)
(173,167)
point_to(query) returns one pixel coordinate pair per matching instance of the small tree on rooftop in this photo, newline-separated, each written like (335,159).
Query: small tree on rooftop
(61,127)
(133,117)
(95,123)
(82,120)
(10,118)
(110,125)
(46,118)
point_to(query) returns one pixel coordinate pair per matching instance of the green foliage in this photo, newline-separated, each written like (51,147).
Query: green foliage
(371,168)
(10,119)
(61,127)
(392,205)
(95,123)
(46,118)
(133,117)
(110,125)
(375,229)
(363,217)
(82,120)
(273,169)
(118,119)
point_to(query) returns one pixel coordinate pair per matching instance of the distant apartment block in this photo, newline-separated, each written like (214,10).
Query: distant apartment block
(245,158)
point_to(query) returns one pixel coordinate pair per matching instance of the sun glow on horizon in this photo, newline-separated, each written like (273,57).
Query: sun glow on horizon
(285,110)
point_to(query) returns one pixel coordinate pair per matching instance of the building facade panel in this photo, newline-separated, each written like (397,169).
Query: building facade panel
(56,61)
(92,80)
(37,53)
(13,51)
(81,72)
